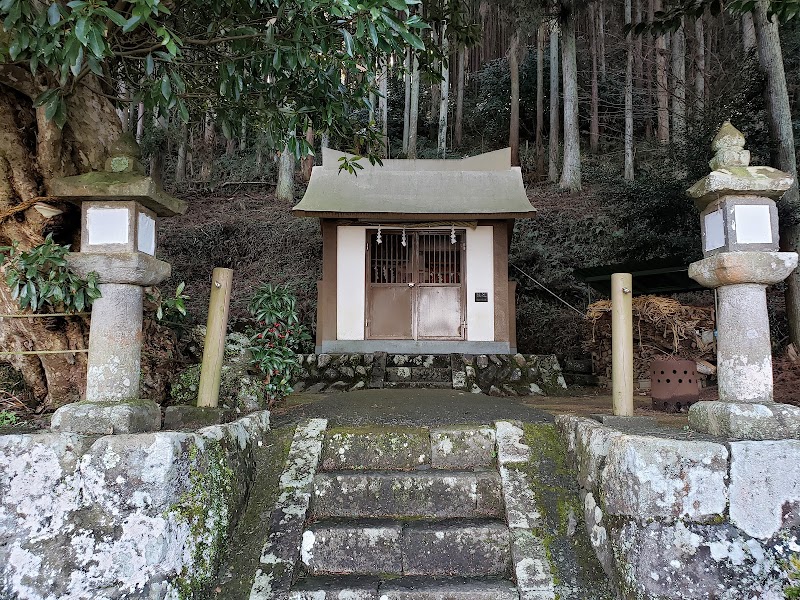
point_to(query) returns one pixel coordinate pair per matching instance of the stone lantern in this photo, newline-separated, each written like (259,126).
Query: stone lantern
(739,224)
(120,208)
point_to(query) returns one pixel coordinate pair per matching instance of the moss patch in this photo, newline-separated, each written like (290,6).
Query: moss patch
(243,553)
(575,569)
(205,506)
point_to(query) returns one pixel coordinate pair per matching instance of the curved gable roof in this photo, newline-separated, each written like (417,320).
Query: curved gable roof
(484,186)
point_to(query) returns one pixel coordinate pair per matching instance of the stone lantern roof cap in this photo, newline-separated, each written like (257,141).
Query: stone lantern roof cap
(122,180)
(732,174)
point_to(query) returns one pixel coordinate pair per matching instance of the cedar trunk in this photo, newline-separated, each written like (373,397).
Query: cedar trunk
(459,124)
(594,120)
(33,151)
(662,85)
(776,95)
(540,33)
(571,172)
(553,136)
(629,172)
(513,67)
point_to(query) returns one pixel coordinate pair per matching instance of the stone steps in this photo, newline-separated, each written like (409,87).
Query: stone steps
(406,588)
(418,513)
(470,548)
(416,494)
(460,448)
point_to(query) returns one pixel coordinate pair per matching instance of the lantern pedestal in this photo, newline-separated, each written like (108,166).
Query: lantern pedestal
(120,211)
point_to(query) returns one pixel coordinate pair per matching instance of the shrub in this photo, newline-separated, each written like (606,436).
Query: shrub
(279,336)
(40,279)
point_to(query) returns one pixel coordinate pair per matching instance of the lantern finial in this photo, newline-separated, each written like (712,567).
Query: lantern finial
(124,155)
(728,147)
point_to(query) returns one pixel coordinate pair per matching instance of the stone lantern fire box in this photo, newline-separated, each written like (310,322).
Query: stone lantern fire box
(120,208)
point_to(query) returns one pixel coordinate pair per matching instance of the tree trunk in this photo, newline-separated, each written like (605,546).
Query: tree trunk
(307,163)
(208,149)
(140,122)
(180,165)
(776,95)
(679,85)
(571,171)
(383,109)
(513,67)
(459,125)
(33,151)
(540,33)
(553,136)
(649,66)
(407,103)
(160,149)
(699,68)
(414,110)
(749,40)
(601,33)
(243,135)
(284,191)
(436,90)
(638,58)
(629,173)
(594,120)
(445,96)
(662,85)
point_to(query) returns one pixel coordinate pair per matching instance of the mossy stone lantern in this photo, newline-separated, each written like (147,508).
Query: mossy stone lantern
(120,208)
(737,201)
(739,223)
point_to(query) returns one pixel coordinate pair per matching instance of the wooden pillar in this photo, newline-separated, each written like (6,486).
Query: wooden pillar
(214,348)
(622,344)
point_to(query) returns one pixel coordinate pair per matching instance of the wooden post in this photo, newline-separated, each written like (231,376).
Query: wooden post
(214,348)
(622,344)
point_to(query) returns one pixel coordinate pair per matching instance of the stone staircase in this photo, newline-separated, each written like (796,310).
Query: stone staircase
(408,514)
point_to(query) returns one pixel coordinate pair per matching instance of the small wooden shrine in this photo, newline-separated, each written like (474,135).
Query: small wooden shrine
(415,254)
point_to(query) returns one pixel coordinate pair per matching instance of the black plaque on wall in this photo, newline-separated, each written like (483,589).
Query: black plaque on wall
(481,296)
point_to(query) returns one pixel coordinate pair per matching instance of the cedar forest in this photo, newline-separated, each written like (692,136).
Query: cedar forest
(608,106)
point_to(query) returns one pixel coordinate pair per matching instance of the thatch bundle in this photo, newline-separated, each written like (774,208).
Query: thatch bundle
(662,328)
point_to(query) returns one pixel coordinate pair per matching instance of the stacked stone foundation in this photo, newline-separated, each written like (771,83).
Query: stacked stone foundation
(493,374)
(689,516)
(122,516)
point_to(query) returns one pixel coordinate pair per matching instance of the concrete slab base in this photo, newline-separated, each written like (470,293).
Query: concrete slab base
(746,421)
(104,418)
(195,417)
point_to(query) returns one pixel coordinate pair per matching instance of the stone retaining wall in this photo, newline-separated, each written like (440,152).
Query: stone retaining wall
(494,374)
(121,516)
(685,519)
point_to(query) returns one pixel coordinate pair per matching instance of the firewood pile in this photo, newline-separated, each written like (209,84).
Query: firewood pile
(662,328)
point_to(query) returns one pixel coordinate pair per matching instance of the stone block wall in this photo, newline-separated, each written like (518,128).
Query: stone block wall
(688,519)
(121,516)
(495,374)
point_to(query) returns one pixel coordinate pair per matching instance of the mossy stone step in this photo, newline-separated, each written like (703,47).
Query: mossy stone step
(418,494)
(403,588)
(409,448)
(458,547)
(376,448)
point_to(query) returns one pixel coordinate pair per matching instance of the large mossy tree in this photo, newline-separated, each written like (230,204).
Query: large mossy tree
(67,68)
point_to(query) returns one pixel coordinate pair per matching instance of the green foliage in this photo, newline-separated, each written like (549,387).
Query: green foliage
(792,592)
(279,337)
(8,418)
(280,62)
(171,309)
(41,280)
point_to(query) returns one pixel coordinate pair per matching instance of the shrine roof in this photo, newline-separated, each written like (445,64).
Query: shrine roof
(479,187)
